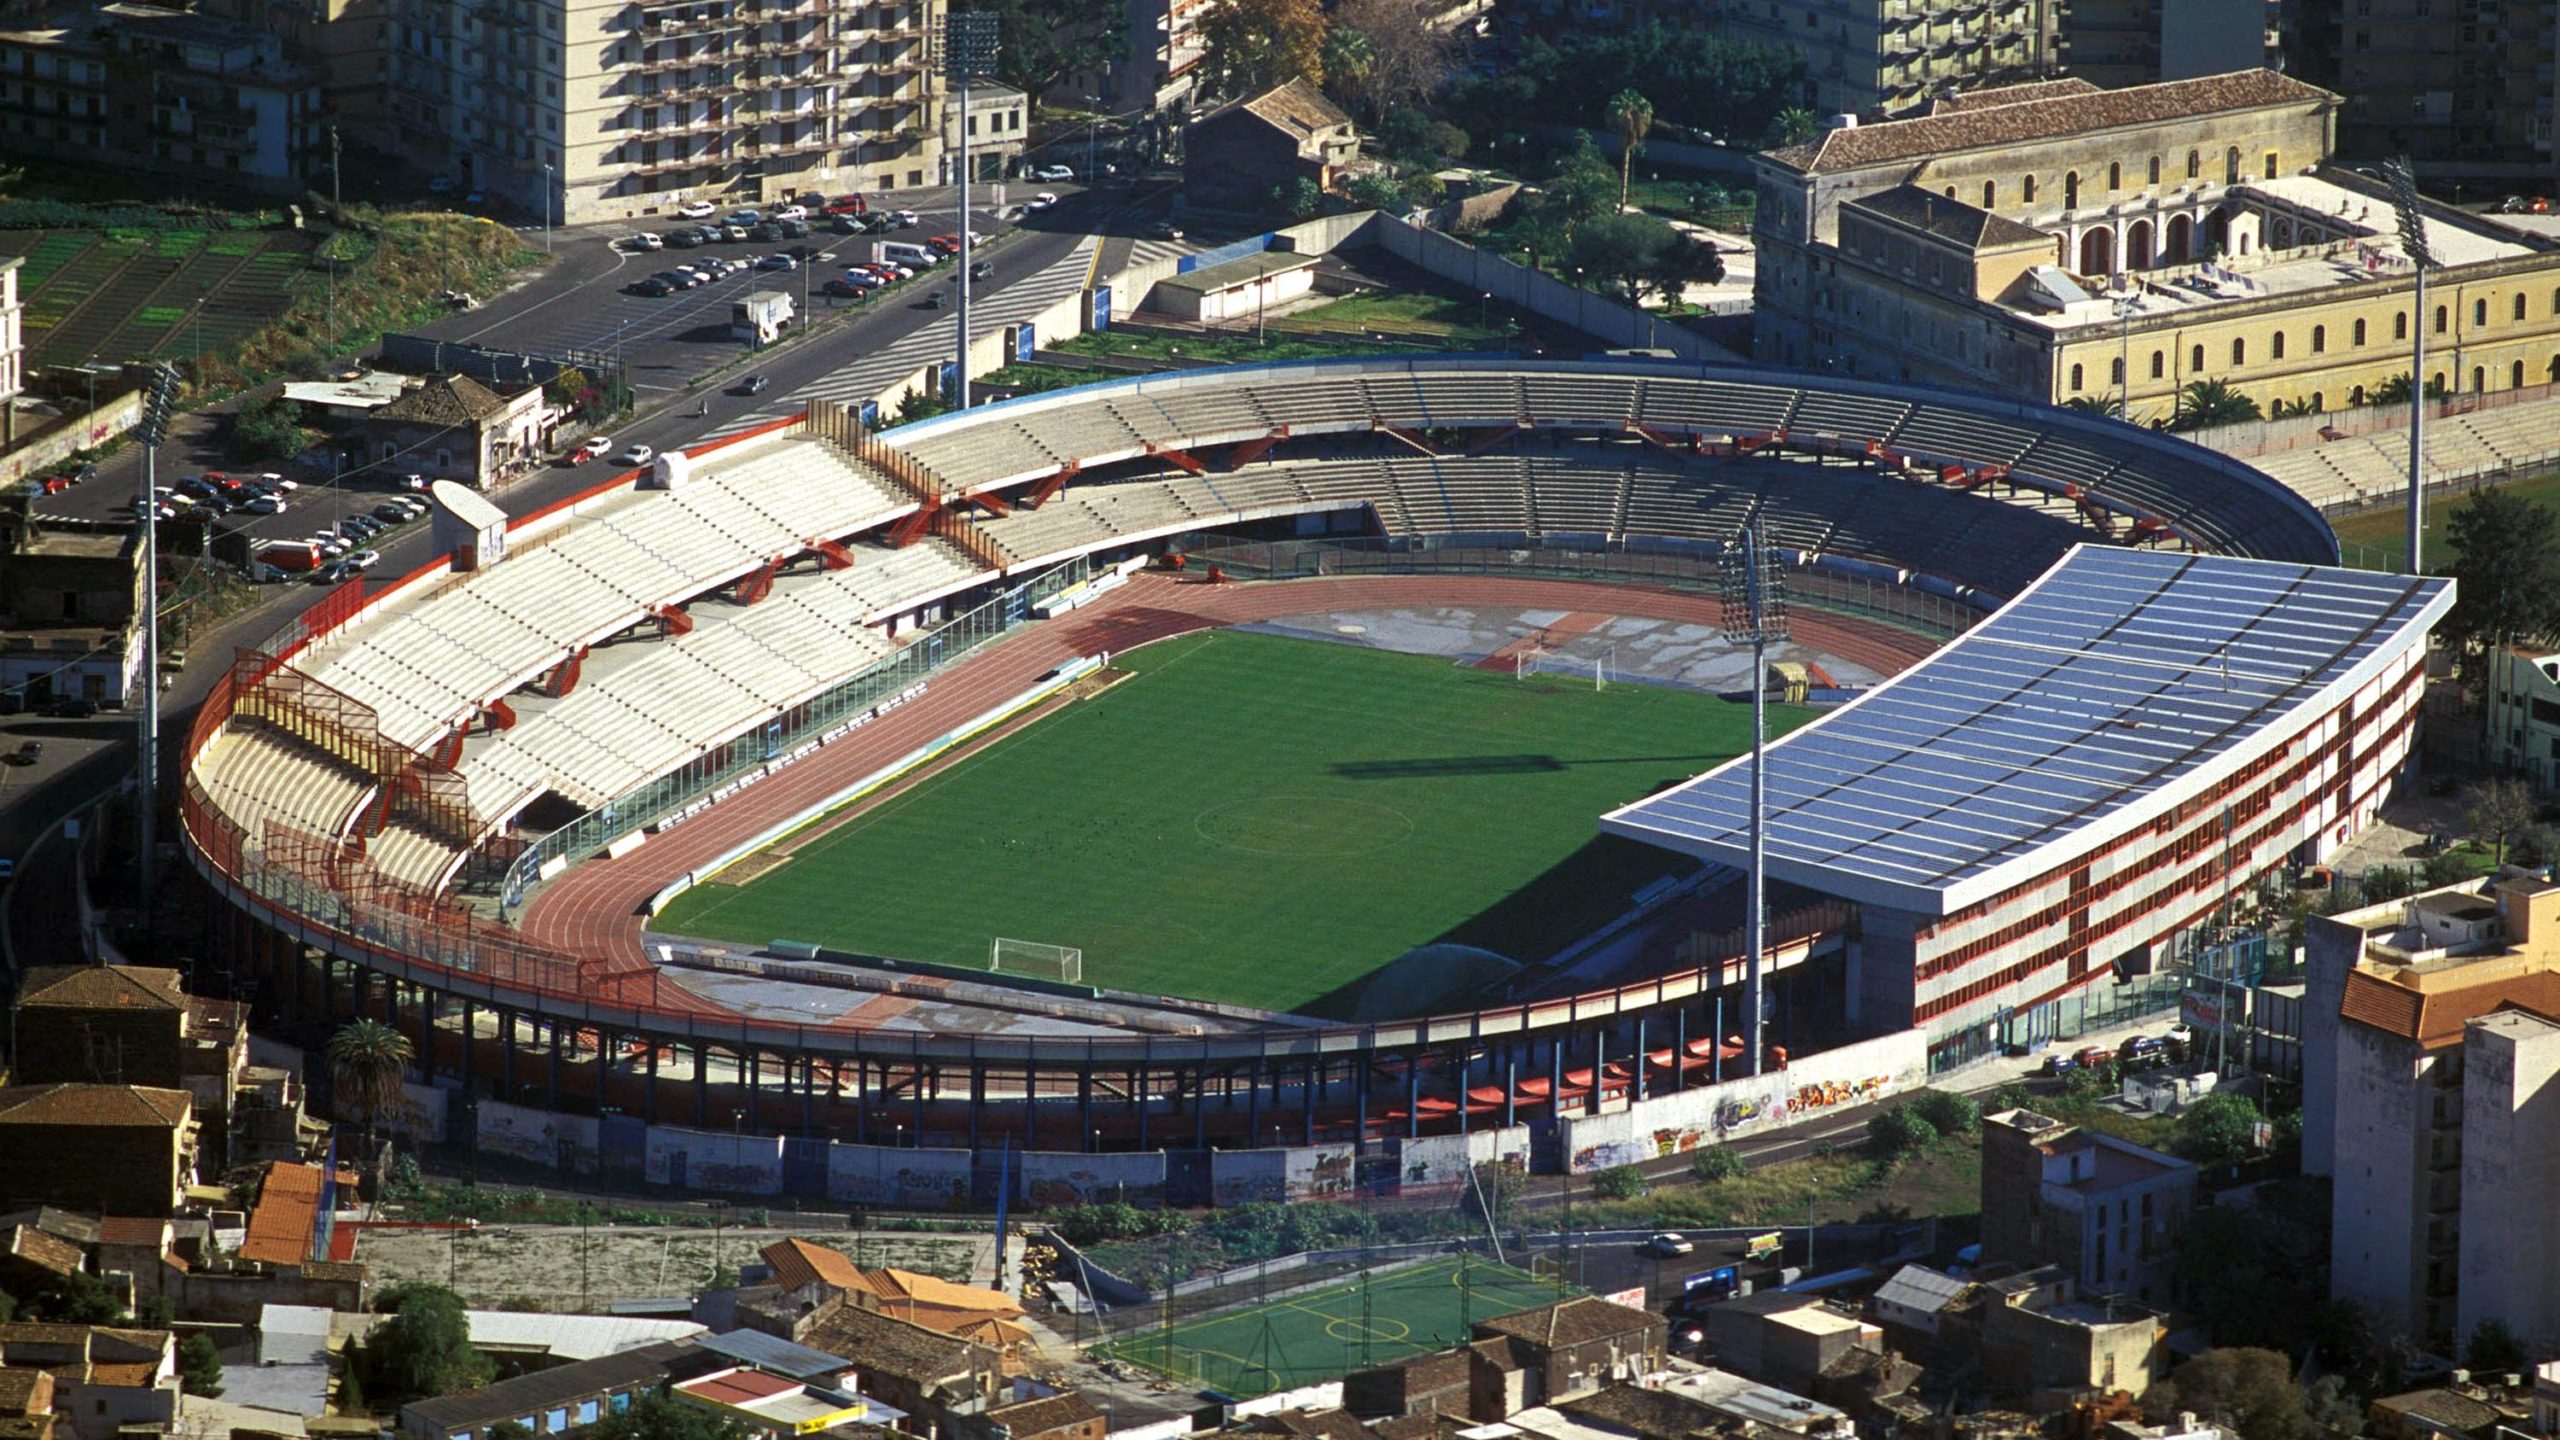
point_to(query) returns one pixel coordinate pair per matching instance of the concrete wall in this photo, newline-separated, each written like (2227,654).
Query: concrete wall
(1068,1179)
(1240,1177)
(1710,1114)
(1317,1172)
(700,1160)
(1435,1162)
(541,1137)
(1517,285)
(905,1179)
(44,449)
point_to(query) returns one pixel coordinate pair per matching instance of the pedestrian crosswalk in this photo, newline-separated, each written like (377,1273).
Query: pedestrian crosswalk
(1148,252)
(869,375)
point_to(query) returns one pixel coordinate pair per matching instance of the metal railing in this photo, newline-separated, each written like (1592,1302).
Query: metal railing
(772,740)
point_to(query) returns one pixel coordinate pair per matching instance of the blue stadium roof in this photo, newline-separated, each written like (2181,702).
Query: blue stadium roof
(2118,686)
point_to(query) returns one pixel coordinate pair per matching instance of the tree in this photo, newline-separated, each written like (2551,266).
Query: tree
(1248,46)
(1039,43)
(2493,1348)
(425,1347)
(200,1366)
(79,1298)
(1947,1112)
(1619,1182)
(368,1061)
(1374,190)
(2243,1268)
(8,1307)
(2204,404)
(2104,406)
(1794,126)
(918,405)
(568,390)
(2506,566)
(1635,252)
(1718,1162)
(661,1417)
(1299,198)
(1630,119)
(1496,1185)
(1578,192)
(1395,56)
(2249,1389)
(1900,1131)
(2498,810)
(2220,1129)
(270,427)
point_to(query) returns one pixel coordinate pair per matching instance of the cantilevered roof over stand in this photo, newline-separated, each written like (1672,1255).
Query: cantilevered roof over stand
(2118,686)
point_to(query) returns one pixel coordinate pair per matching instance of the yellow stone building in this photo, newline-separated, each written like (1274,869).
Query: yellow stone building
(2061,242)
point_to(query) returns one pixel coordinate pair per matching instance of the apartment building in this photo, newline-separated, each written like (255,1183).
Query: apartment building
(2106,1211)
(2116,43)
(1873,58)
(2522,727)
(2463,87)
(2059,242)
(609,109)
(2430,1051)
(159,88)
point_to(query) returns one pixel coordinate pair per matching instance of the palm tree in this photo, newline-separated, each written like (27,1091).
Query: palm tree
(2394,391)
(367,1060)
(2204,404)
(1795,125)
(2103,405)
(1631,115)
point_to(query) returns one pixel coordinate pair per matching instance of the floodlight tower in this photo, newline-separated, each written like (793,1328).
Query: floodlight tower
(1755,609)
(968,49)
(160,397)
(2413,238)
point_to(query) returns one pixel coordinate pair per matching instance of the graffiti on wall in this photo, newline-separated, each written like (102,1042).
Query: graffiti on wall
(905,1179)
(1069,1179)
(1733,1112)
(1245,1177)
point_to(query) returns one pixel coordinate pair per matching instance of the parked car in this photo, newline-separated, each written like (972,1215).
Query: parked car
(847,205)
(636,455)
(653,288)
(844,289)
(594,447)
(983,270)
(944,244)
(685,239)
(735,234)
(766,233)
(27,753)
(792,212)
(1053,172)
(777,262)
(72,708)
(364,559)
(904,219)
(697,210)
(746,217)
(845,224)
(267,505)
(391,512)
(755,384)
(334,573)
(1668,1244)
(794,229)
(647,240)
(1041,201)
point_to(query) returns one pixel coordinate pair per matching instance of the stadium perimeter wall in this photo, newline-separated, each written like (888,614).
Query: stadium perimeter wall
(1711,1114)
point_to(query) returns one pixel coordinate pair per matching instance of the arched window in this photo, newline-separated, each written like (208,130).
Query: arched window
(1951,192)
(2240,351)
(2115,175)
(2195,165)
(2319,339)
(2400,326)
(2356,396)
(2515,376)
(2519,305)
(2075,378)
(2479,313)
(2115,371)
(1990,193)
(2027,196)
(2231,166)
(2319,402)
(2278,346)
(2359,332)
(2155,169)
(2440,314)
(2195,361)
(2159,363)
(2271,164)
(2071,191)
(2479,378)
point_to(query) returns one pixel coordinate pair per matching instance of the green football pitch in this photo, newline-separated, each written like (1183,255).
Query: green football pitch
(1259,821)
(1320,1335)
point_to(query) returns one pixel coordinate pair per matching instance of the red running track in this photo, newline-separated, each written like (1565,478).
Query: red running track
(594,909)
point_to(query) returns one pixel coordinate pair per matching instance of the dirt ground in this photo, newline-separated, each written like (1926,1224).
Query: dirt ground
(550,1267)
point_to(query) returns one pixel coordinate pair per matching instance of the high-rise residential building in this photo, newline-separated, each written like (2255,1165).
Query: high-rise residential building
(1875,58)
(2115,43)
(2431,1048)
(611,109)
(2059,242)
(2463,87)
(2105,1210)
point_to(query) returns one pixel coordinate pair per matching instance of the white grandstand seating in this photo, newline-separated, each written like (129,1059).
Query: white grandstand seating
(255,774)
(1719,407)
(408,855)
(1940,431)
(1852,417)
(426,668)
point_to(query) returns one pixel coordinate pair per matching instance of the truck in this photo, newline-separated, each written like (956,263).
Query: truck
(281,558)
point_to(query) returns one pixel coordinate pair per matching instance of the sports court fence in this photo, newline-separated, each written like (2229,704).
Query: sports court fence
(777,740)
(1870,597)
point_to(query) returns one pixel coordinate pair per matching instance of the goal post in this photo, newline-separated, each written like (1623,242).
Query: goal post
(1536,661)
(1035,959)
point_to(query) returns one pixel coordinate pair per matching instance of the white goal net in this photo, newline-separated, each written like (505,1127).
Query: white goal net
(1031,957)
(1537,660)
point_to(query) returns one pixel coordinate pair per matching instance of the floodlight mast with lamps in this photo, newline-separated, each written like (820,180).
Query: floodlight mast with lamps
(968,49)
(160,397)
(2413,238)
(1755,609)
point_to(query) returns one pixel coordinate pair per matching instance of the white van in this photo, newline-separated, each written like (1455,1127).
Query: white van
(899,252)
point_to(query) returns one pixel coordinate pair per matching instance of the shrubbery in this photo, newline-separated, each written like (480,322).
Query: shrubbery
(1900,1131)
(1620,1182)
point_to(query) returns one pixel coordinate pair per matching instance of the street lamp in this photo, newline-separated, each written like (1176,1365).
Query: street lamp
(546,207)
(1092,128)
(2413,238)
(969,49)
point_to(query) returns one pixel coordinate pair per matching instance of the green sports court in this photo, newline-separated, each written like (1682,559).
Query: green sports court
(1324,1334)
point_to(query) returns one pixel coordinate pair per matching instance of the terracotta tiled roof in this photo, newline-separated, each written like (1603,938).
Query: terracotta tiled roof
(1049,1412)
(103,987)
(132,1230)
(1425,1425)
(2010,95)
(1995,126)
(1934,214)
(1297,107)
(1650,1413)
(443,400)
(2435,1019)
(904,1287)
(18,1391)
(124,1374)
(93,1105)
(1313,1424)
(890,1346)
(287,1215)
(49,1252)
(797,1263)
(1571,1322)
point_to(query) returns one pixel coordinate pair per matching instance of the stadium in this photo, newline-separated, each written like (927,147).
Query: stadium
(487,803)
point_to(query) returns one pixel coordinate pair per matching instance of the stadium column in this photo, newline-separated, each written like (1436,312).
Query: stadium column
(1639,1060)
(1466,1083)
(1599,1066)
(470,1023)
(1139,1094)
(649,1086)
(1253,1105)
(1680,1048)
(1315,1069)
(1412,1097)
(1030,1103)
(861,1101)
(701,1084)
(507,1054)
(426,1008)
(977,1099)
(1510,1089)
(809,1092)
(551,1069)
(1200,1101)
(1084,1103)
